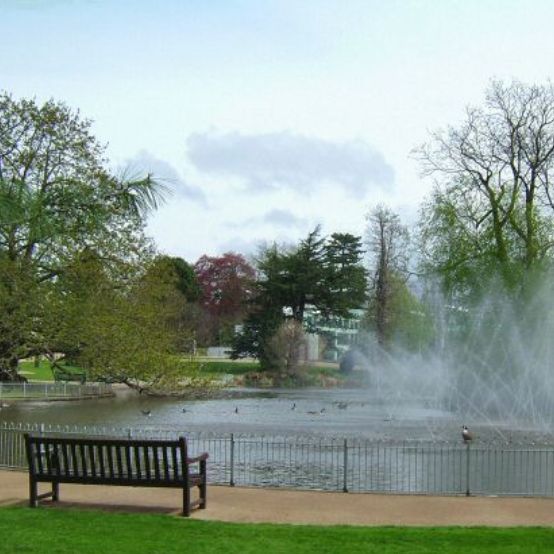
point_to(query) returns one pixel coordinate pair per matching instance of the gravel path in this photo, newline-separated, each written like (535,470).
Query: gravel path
(301,507)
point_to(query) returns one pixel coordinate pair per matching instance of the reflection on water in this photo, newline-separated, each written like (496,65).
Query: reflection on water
(350,413)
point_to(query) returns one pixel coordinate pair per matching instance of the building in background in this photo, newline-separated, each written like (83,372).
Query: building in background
(329,338)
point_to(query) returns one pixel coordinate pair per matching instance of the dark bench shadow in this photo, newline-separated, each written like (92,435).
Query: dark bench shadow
(116,508)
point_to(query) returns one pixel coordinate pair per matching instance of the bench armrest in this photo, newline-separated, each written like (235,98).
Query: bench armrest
(201,458)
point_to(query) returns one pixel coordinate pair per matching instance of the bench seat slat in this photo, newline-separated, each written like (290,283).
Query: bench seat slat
(156,451)
(119,461)
(101,460)
(128,461)
(175,464)
(92,454)
(83,458)
(111,469)
(74,457)
(65,459)
(146,450)
(137,464)
(165,463)
(38,451)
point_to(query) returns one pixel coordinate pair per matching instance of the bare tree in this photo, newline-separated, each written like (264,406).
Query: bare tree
(287,345)
(387,241)
(502,158)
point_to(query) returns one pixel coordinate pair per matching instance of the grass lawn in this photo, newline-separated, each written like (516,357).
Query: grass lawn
(227,366)
(76,531)
(241,368)
(42,372)
(218,367)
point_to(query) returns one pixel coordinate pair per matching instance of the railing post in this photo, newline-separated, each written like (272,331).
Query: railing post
(467,468)
(24,390)
(345,472)
(232,462)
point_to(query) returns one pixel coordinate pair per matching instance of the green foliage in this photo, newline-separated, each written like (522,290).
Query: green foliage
(186,281)
(257,330)
(347,279)
(409,324)
(324,272)
(458,244)
(127,332)
(58,206)
(88,532)
(226,367)
(388,242)
(21,314)
(490,215)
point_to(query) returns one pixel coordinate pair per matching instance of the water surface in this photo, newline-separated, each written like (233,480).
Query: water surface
(359,413)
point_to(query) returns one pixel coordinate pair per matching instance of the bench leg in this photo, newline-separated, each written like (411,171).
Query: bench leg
(55,491)
(186,501)
(203,499)
(33,493)
(203,486)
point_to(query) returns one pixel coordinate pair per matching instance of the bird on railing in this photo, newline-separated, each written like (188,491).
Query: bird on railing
(147,413)
(293,407)
(466,434)
(184,410)
(236,409)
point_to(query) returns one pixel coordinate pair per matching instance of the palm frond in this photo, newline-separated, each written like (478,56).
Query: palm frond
(141,194)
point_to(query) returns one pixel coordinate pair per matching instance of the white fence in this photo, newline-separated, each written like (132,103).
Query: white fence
(52,391)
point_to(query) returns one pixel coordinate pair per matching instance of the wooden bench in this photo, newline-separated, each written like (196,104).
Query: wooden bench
(99,461)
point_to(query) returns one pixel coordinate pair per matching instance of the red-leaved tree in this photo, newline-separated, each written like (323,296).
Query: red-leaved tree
(227,283)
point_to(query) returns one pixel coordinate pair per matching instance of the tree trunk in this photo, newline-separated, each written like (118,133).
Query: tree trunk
(531,243)
(382,286)
(8,370)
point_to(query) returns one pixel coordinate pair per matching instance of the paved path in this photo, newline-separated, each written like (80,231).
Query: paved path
(301,507)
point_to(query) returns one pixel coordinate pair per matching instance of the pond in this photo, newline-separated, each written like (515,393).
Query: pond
(359,413)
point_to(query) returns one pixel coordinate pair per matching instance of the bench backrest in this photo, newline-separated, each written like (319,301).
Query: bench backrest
(107,460)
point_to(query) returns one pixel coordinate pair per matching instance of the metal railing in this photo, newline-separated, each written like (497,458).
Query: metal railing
(348,465)
(52,391)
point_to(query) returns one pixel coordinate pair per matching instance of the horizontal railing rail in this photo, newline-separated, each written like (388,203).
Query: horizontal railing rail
(350,465)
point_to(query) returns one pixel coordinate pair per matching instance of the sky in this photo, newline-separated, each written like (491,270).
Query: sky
(265,118)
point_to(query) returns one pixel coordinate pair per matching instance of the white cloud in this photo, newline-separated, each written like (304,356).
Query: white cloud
(248,246)
(277,218)
(296,162)
(284,218)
